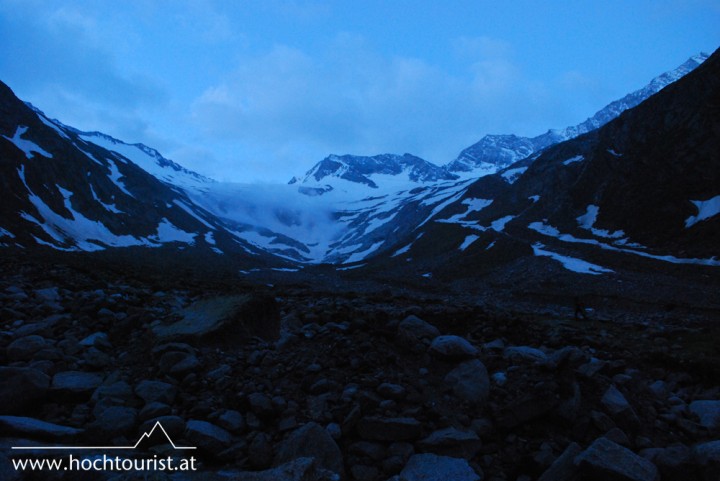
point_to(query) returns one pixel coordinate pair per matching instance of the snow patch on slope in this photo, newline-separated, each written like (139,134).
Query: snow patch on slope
(115,176)
(511,175)
(587,222)
(572,160)
(570,263)
(468,241)
(551,231)
(109,207)
(27,146)
(151,162)
(706,209)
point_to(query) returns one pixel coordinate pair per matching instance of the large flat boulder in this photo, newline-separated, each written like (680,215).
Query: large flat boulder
(36,428)
(224,318)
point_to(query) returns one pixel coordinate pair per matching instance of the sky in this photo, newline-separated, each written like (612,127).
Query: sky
(260,90)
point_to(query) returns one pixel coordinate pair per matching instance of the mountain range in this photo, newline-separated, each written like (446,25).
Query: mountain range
(636,183)
(489,154)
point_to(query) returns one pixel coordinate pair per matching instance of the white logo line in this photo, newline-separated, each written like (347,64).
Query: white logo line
(145,435)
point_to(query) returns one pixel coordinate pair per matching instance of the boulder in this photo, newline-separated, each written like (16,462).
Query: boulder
(48,294)
(119,392)
(452,442)
(178,363)
(470,382)
(391,391)
(414,333)
(75,383)
(431,467)
(707,454)
(311,441)
(231,420)
(151,391)
(563,468)
(453,347)
(225,319)
(115,421)
(21,388)
(605,459)
(708,412)
(261,404)
(619,408)
(153,410)
(97,339)
(35,428)
(673,462)
(614,401)
(25,348)
(208,437)
(524,353)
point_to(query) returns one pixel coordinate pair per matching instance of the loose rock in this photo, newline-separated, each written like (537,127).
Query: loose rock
(606,459)
(431,467)
(453,347)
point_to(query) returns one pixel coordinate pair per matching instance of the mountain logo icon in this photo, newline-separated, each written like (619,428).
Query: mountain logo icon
(157,434)
(158,431)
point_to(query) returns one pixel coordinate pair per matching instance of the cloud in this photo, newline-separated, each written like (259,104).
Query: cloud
(349,98)
(53,57)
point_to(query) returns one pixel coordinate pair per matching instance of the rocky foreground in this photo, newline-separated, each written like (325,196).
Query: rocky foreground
(287,384)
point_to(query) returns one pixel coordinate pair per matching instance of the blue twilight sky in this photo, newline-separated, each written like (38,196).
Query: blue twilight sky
(260,90)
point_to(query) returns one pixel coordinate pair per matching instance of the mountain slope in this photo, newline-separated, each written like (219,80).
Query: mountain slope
(495,152)
(643,189)
(68,193)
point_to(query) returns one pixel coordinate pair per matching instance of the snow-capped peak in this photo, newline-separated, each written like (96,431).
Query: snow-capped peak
(371,170)
(495,152)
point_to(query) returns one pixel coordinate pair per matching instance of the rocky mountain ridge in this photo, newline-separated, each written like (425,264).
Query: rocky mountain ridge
(360,169)
(627,195)
(489,155)
(495,152)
